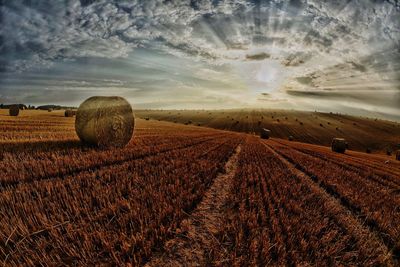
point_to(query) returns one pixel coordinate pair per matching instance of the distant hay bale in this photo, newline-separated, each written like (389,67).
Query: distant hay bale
(398,155)
(50,110)
(265,133)
(69,113)
(14,110)
(338,145)
(105,121)
(147,118)
(291,138)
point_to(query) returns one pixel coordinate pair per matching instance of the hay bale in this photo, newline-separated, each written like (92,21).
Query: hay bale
(398,155)
(265,133)
(105,121)
(50,110)
(14,110)
(69,113)
(338,145)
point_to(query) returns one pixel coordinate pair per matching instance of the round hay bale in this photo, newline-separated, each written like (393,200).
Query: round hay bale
(69,113)
(14,110)
(398,155)
(50,110)
(265,133)
(105,121)
(338,145)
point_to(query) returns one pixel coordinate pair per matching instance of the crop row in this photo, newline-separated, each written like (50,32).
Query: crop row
(72,157)
(115,214)
(375,202)
(279,216)
(367,163)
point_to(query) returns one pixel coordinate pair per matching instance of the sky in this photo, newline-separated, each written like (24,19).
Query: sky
(337,55)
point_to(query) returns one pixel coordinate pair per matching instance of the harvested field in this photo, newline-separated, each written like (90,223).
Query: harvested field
(303,126)
(185,195)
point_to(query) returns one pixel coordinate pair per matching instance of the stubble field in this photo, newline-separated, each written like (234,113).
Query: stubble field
(182,194)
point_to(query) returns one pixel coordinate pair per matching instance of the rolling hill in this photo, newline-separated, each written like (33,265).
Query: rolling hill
(379,136)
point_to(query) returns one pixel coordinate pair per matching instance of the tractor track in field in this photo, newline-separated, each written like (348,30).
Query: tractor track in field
(349,213)
(7,185)
(197,234)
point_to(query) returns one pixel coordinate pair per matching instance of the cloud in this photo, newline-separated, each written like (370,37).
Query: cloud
(296,59)
(260,56)
(337,45)
(38,34)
